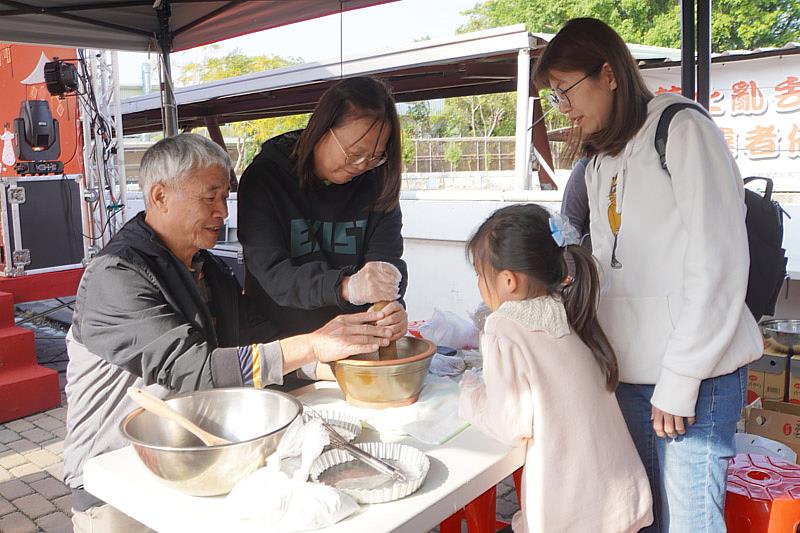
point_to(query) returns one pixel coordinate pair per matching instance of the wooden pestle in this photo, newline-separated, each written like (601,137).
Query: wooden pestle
(390,351)
(159,407)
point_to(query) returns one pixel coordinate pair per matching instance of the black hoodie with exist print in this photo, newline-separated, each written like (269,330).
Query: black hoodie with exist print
(299,246)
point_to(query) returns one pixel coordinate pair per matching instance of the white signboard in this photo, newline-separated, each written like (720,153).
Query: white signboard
(756,103)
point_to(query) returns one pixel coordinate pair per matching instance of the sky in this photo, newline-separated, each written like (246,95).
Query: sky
(364,30)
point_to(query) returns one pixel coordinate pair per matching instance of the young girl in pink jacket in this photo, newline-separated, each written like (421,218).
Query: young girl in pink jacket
(549,375)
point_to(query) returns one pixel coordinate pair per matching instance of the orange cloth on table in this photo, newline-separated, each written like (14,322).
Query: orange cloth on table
(542,388)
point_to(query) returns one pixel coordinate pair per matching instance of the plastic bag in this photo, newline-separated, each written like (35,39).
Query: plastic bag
(472,359)
(278,498)
(447,365)
(480,315)
(449,329)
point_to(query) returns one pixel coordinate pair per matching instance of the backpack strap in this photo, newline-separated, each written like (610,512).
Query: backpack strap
(662,130)
(768,187)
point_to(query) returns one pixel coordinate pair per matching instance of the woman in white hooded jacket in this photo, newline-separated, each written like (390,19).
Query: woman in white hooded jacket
(672,248)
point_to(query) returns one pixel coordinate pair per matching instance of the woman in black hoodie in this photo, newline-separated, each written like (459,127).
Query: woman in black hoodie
(319,213)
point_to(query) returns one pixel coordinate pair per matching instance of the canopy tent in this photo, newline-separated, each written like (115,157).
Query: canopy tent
(482,62)
(160,25)
(137,24)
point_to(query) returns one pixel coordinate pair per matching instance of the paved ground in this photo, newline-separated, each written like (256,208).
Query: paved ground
(33,497)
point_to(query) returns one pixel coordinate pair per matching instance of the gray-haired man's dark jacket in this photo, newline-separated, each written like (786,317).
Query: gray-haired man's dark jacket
(142,319)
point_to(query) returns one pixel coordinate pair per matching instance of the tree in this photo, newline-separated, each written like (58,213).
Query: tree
(735,24)
(452,154)
(249,134)
(481,116)
(407,147)
(417,120)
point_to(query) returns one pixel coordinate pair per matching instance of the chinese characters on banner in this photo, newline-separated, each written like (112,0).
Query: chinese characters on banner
(756,104)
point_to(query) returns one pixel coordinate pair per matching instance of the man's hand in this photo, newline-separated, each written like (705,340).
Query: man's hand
(667,425)
(348,335)
(396,318)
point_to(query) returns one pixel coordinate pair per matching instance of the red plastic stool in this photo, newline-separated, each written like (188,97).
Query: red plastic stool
(763,495)
(480,513)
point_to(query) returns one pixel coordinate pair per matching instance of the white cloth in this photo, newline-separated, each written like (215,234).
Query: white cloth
(432,419)
(675,312)
(542,389)
(279,494)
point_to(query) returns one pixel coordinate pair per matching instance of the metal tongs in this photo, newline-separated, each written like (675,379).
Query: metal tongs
(338,441)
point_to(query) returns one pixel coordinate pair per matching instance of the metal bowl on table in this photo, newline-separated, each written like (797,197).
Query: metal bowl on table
(781,336)
(388,378)
(253,420)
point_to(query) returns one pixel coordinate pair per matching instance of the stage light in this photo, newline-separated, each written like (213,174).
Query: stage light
(38,143)
(61,77)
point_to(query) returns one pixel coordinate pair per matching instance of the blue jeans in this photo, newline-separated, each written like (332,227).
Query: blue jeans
(688,474)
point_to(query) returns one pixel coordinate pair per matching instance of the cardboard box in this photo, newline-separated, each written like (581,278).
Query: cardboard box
(768,376)
(755,382)
(778,421)
(794,379)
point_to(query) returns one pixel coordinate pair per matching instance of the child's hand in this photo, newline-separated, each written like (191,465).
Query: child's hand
(667,425)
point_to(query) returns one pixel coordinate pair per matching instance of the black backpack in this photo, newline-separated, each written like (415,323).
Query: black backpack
(764,222)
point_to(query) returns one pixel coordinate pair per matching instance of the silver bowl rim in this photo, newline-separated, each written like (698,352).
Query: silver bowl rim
(130,416)
(769,325)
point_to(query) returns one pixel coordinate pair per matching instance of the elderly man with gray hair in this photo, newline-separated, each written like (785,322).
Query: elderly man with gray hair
(154,309)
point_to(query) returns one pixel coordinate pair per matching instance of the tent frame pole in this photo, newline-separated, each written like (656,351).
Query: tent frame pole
(167,88)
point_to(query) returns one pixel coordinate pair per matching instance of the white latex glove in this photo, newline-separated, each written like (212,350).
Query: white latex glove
(375,282)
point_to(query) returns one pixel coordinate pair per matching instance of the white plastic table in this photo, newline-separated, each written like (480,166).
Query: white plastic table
(461,470)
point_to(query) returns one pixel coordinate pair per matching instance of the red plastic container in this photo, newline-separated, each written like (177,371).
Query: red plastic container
(763,495)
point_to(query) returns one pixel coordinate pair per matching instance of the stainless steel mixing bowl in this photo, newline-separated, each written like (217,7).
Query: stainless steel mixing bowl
(254,420)
(387,379)
(781,336)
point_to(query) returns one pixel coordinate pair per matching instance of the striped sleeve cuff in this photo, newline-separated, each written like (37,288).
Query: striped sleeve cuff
(261,364)
(246,363)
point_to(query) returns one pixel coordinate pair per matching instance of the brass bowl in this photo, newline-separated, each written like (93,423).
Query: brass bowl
(389,378)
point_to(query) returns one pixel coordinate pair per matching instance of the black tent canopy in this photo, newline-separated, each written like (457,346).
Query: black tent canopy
(159,25)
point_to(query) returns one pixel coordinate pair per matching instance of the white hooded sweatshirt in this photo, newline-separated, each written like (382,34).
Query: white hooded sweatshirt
(674,310)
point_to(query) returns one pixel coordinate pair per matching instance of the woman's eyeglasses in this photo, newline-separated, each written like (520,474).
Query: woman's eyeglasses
(357,160)
(558,97)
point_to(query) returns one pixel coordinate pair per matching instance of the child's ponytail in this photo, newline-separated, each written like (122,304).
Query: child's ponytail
(580,296)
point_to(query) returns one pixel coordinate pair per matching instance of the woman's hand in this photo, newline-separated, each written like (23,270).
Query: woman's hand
(375,282)
(348,335)
(395,318)
(667,425)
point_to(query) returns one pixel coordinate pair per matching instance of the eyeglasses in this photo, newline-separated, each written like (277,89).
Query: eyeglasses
(356,160)
(558,97)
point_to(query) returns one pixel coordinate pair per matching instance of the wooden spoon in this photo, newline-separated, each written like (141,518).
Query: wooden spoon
(159,407)
(390,351)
